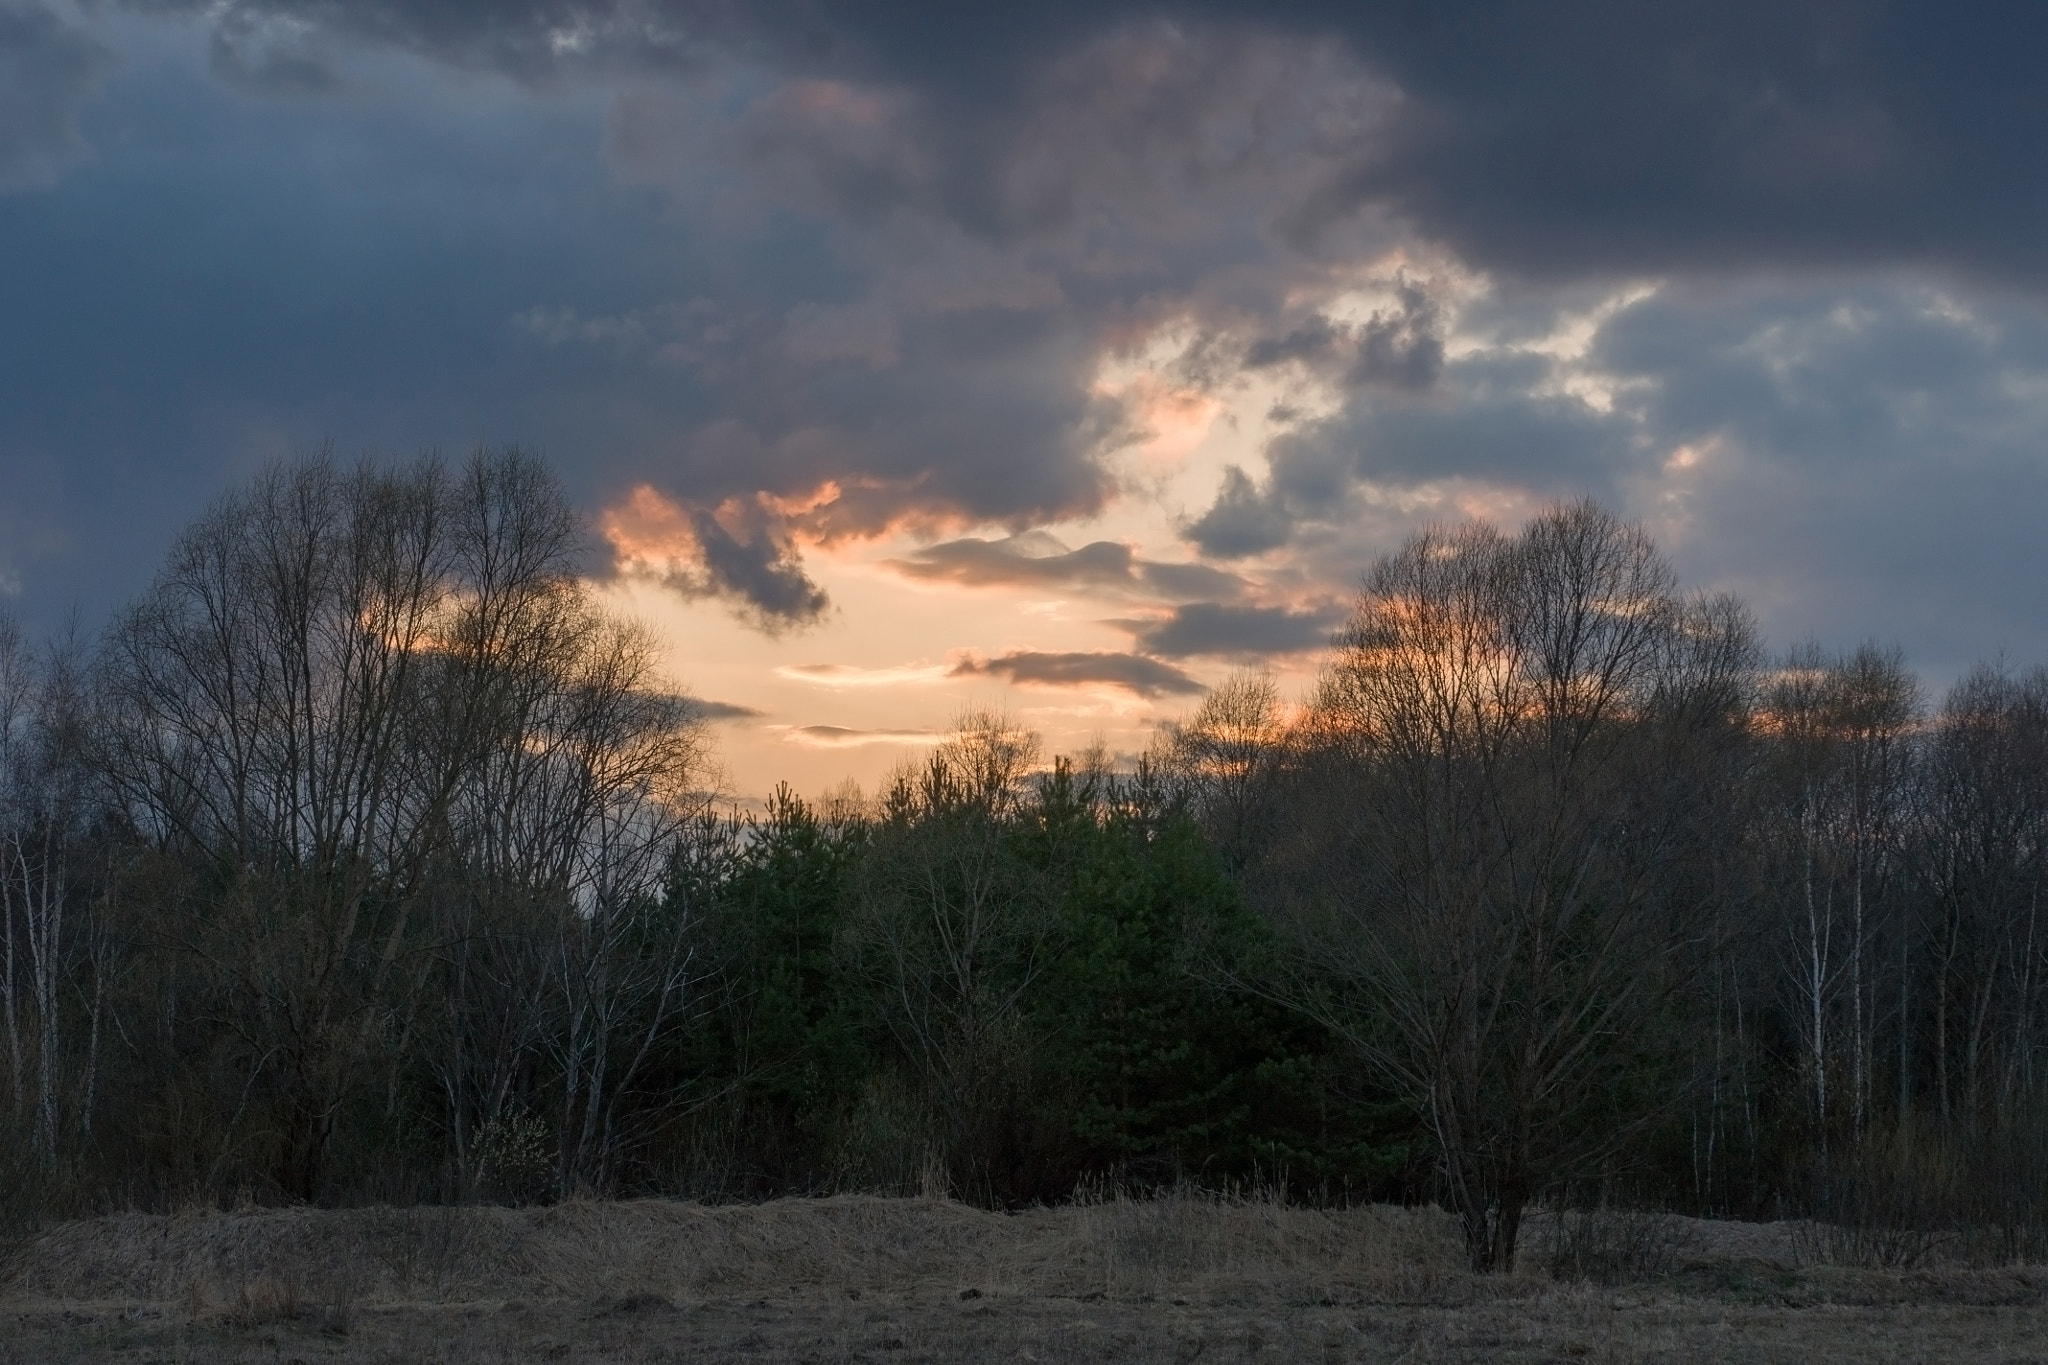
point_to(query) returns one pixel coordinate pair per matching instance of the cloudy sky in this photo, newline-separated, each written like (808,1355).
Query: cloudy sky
(1063,356)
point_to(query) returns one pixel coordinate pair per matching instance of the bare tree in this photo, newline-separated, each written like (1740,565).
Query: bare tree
(623,970)
(562,837)
(572,771)
(1505,789)
(266,689)
(350,690)
(1983,834)
(1226,758)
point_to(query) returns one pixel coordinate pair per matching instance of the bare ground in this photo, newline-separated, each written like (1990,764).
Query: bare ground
(856,1278)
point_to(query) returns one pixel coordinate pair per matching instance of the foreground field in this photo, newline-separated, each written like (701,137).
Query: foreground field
(867,1279)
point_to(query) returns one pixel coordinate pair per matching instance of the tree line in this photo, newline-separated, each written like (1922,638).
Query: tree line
(366,857)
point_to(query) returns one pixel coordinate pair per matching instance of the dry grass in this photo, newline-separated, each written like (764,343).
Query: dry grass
(683,1251)
(863,1278)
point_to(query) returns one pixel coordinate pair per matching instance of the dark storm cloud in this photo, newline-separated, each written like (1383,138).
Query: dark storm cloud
(972,412)
(929,347)
(1219,630)
(970,86)
(220,288)
(1504,433)
(1599,135)
(1038,559)
(1131,672)
(898,305)
(1608,135)
(1615,136)
(48,70)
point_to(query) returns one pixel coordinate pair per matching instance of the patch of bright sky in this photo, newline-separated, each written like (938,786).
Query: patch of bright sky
(879,667)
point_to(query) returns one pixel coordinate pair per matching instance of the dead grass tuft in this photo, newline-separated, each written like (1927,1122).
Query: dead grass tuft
(268,1300)
(1190,1243)
(1614,1244)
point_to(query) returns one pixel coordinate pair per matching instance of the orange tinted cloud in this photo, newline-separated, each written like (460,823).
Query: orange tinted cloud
(649,533)
(841,737)
(738,549)
(846,675)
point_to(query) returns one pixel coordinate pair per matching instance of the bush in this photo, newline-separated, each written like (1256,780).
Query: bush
(1617,1244)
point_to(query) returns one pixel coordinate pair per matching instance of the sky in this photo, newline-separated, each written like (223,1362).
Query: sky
(907,356)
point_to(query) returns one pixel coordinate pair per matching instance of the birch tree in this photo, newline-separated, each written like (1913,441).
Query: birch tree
(47,878)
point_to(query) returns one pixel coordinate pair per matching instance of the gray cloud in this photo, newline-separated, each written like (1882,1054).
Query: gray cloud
(983,415)
(1510,432)
(723,710)
(1219,630)
(48,70)
(1037,558)
(950,378)
(751,565)
(270,54)
(1612,137)
(1863,463)
(1131,672)
(1856,460)
(537,41)
(1401,348)
(882,313)
(895,303)
(1492,416)
(1186,581)
(1242,521)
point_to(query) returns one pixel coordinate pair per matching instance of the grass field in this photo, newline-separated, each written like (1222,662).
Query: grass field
(856,1278)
